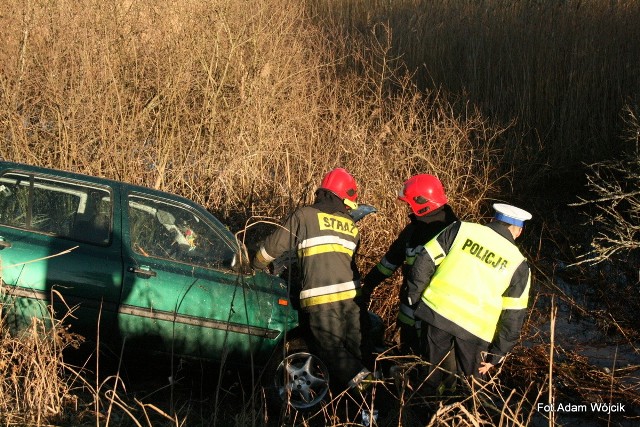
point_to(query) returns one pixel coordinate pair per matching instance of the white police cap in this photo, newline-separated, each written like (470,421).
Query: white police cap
(511,214)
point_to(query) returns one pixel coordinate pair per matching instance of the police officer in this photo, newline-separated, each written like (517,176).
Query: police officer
(470,286)
(430,214)
(326,240)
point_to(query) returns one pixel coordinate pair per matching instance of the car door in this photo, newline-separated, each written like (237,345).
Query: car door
(181,293)
(58,248)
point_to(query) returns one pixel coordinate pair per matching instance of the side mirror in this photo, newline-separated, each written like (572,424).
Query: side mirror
(240,262)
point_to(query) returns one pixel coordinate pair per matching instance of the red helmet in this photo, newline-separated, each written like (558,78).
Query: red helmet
(424,193)
(342,184)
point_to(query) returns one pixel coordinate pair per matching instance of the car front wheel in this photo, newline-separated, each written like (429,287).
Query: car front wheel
(301,380)
(294,380)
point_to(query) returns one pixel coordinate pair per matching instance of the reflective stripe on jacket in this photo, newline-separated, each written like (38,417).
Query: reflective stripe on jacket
(406,315)
(468,285)
(331,293)
(325,244)
(403,251)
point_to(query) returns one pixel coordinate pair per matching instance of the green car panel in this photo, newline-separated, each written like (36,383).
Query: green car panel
(157,269)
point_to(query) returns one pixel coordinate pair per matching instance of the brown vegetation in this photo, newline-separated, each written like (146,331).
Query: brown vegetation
(243,106)
(36,387)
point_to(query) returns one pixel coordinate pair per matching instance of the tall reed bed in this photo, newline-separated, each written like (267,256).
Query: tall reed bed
(562,70)
(242,109)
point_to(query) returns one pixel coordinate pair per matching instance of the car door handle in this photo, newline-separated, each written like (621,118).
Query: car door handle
(143,271)
(4,244)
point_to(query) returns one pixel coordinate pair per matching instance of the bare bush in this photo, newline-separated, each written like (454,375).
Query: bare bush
(616,202)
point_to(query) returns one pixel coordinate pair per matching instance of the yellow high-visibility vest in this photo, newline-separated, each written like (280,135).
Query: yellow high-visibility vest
(469,281)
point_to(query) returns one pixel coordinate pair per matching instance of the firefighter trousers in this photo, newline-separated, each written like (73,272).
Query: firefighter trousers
(336,336)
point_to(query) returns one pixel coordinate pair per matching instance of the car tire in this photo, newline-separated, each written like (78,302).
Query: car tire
(296,380)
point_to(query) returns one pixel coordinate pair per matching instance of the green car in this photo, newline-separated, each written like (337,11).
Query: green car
(146,268)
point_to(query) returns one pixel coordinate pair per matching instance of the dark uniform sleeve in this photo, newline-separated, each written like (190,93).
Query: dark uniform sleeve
(392,259)
(354,264)
(511,320)
(425,264)
(280,241)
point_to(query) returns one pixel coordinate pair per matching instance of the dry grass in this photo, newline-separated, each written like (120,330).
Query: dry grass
(240,110)
(243,109)
(564,71)
(34,387)
(39,388)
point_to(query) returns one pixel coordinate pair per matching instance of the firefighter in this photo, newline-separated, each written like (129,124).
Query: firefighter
(326,241)
(470,287)
(430,214)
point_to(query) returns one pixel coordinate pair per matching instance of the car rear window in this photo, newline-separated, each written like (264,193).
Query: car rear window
(56,207)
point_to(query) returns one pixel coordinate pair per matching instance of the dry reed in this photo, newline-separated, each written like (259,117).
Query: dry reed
(34,389)
(243,109)
(564,71)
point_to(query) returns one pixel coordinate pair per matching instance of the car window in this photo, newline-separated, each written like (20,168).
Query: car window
(59,208)
(163,230)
